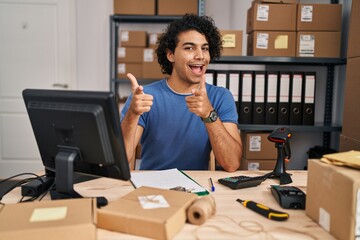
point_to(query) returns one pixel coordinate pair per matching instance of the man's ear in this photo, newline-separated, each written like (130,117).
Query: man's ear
(170,55)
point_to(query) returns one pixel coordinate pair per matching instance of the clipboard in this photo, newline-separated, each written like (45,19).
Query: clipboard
(167,179)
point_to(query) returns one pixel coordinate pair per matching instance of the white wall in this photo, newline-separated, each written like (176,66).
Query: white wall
(92,33)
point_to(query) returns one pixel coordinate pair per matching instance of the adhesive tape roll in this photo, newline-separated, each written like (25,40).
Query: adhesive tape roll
(201,210)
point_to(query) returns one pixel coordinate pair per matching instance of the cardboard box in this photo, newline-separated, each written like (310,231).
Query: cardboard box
(232,42)
(152,70)
(348,143)
(354,31)
(177,7)
(268,43)
(128,214)
(271,17)
(133,39)
(134,7)
(130,54)
(153,39)
(60,219)
(150,67)
(256,165)
(332,198)
(318,44)
(351,115)
(256,146)
(134,68)
(319,17)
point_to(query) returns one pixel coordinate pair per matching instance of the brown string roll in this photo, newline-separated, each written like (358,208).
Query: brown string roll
(201,210)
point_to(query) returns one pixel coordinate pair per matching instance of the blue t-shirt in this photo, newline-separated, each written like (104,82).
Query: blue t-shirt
(173,136)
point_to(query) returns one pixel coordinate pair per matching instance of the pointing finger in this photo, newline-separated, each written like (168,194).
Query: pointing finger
(133,81)
(203,84)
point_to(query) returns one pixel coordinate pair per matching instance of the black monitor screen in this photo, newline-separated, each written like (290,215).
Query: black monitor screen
(77,131)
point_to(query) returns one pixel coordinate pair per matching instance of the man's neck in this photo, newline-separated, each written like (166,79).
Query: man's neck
(180,86)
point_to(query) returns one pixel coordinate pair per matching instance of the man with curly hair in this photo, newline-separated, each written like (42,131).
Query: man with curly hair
(180,119)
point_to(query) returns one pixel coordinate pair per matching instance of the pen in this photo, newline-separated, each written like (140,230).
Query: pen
(264,210)
(212,185)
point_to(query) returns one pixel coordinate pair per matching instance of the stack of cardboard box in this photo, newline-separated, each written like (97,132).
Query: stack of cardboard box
(285,28)
(258,152)
(136,54)
(350,137)
(318,30)
(271,28)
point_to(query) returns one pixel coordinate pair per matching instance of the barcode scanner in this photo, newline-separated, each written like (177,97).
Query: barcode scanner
(281,137)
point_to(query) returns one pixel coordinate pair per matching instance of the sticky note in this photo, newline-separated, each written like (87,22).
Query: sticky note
(229,40)
(281,42)
(48,214)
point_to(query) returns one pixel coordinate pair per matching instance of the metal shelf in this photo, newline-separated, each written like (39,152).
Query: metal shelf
(295,128)
(281,61)
(142,19)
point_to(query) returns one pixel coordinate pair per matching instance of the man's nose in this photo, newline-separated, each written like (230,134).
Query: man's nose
(199,54)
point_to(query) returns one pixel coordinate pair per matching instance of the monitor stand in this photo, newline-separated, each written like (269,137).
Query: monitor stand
(64,177)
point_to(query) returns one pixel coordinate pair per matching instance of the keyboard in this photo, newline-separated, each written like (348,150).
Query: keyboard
(239,182)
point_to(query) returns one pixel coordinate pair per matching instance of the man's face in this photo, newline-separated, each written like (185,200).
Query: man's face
(191,57)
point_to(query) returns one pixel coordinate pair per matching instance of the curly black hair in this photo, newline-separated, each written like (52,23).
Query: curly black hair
(169,39)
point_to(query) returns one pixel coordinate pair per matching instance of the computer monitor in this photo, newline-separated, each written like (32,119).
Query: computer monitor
(77,131)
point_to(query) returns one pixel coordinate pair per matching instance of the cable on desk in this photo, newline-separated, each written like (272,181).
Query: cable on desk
(19,183)
(252,229)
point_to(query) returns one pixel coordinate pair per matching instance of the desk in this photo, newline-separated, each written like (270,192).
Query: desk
(225,224)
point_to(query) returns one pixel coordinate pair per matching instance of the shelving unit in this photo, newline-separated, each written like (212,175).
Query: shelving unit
(115,21)
(327,127)
(329,63)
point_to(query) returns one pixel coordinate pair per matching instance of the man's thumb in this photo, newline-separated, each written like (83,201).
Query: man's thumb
(133,81)
(203,84)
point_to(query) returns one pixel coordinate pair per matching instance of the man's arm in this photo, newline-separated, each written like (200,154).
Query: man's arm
(139,104)
(226,143)
(224,137)
(131,133)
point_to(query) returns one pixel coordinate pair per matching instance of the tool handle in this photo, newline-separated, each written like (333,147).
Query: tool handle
(265,211)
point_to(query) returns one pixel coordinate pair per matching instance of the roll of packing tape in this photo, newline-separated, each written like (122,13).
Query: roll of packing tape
(201,210)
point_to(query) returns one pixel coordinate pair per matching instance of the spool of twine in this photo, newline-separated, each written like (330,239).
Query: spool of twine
(201,210)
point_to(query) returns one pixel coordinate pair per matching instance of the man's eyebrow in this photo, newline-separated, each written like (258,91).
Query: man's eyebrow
(189,43)
(193,44)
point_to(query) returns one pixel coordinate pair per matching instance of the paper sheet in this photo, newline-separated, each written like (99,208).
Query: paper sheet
(165,179)
(350,159)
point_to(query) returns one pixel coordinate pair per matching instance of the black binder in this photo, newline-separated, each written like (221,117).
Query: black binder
(284,92)
(271,98)
(245,97)
(309,98)
(258,116)
(296,98)
(233,85)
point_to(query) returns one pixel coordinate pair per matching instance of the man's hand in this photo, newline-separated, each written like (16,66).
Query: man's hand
(140,101)
(199,103)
